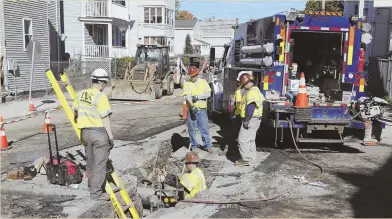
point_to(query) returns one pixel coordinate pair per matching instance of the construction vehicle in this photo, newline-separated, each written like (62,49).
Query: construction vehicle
(182,66)
(327,46)
(150,79)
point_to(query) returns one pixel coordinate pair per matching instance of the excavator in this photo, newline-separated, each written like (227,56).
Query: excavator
(150,79)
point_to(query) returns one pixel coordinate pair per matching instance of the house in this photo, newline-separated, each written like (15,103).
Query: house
(20,23)
(191,27)
(96,29)
(153,23)
(379,14)
(217,33)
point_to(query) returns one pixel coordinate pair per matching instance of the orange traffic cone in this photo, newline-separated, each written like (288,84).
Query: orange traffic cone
(31,106)
(3,140)
(184,110)
(46,122)
(302,96)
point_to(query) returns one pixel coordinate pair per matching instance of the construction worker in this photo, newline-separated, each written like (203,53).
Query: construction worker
(251,112)
(194,181)
(197,91)
(236,118)
(92,114)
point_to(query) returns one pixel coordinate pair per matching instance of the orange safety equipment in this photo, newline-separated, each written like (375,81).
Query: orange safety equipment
(245,78)
(192,157)
(193,71)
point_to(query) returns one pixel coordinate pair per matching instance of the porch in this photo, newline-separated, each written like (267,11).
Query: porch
(105,40)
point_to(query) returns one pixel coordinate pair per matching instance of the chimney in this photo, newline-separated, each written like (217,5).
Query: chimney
(236,21)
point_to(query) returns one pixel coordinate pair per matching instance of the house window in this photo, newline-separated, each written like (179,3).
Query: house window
(119,37)
(167,16)
(152,40)
(27,32)
(153,15)
(120,2)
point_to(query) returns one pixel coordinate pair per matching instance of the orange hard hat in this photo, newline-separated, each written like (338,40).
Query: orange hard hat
(193,71)
(245,78)
(192,157)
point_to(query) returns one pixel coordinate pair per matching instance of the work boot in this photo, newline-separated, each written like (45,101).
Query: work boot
(241,163)
(224,152)
(102,197)
(210,151)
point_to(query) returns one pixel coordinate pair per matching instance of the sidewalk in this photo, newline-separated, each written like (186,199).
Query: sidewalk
(19,108)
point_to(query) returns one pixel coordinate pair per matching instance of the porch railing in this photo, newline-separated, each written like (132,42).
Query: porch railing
(97,51)
(119,52)
(95,9)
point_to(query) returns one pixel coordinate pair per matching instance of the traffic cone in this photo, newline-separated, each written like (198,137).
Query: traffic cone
(46,122)
(302,96)
(3,140)
(31,106)
(184,110)
(368,140)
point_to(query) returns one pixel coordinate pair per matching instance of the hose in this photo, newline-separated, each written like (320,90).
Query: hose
(262,199)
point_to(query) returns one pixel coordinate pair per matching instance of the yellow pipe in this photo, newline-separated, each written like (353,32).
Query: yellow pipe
(63,101)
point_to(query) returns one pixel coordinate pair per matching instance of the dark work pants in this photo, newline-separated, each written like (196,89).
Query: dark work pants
(96,142)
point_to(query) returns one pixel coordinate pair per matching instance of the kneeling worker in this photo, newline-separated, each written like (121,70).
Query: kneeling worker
(192,182)
(92,116)
(251,112)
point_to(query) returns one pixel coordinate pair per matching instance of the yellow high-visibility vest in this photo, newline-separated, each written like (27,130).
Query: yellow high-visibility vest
(238,100)
(253,96)
(194,182)
(200,86)
(92,106)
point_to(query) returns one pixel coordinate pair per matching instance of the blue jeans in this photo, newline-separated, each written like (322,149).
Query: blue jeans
(201,122)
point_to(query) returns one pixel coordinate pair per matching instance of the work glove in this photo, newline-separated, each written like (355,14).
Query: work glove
(111,143)
(245,125)
(195,99)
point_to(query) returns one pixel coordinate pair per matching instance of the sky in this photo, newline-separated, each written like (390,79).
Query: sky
(244,10)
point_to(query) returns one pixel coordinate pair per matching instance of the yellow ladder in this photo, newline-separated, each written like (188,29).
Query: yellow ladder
(112,175)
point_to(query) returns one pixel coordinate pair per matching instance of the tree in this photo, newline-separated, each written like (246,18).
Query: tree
(188,48)
(178,5)
(184,15)
(332,6)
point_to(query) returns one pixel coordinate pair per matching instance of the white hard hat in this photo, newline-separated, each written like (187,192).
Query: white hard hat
(100,74)
(243,72)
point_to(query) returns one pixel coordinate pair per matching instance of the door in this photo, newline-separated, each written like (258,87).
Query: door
(101,36)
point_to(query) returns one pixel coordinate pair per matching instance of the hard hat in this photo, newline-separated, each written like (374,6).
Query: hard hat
(245,78)
(243,72)
(192,157)
(100,74)
(193,71)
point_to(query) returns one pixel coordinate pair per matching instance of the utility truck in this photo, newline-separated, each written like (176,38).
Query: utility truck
(327,47)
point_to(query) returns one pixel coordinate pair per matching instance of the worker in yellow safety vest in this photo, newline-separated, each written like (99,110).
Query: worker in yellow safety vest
(194,181)
(92,116)
(236,118)
(251,113)
(196,92)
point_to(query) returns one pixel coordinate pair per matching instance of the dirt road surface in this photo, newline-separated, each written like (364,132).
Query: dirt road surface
(357,180)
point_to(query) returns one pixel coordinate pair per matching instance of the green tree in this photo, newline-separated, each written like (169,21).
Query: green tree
(188,49)
(330,6)
(178,5)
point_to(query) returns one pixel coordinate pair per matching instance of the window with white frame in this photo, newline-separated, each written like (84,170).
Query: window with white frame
(27,32)
(158,15)
(119,37)
(120,2)
(154,40)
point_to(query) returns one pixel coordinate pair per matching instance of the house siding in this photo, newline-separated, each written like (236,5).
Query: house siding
(73,27)
(54,29)
(14,12)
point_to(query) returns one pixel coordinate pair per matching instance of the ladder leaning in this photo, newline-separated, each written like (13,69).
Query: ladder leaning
(112,177)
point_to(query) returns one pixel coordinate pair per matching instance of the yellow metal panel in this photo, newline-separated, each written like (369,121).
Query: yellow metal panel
(351,46)
(277,21)
(265,87)
(362,85)
(281,56)
(63,100)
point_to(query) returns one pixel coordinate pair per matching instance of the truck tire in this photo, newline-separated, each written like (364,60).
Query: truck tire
(158,90)
(170,80)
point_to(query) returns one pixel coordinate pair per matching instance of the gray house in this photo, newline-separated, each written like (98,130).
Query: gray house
(21,22)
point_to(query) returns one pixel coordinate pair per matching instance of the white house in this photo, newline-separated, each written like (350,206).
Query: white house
(152,23)
(191,27)
(217,33)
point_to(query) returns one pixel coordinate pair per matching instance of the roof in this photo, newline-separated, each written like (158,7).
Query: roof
(189,23)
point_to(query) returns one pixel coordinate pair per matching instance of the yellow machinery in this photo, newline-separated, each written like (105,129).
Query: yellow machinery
(112,175)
